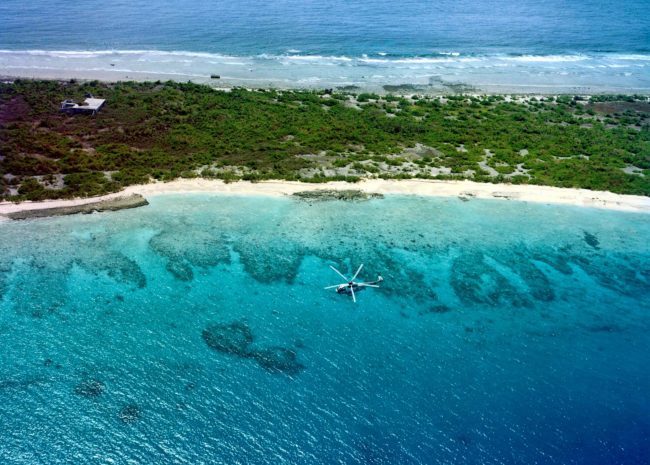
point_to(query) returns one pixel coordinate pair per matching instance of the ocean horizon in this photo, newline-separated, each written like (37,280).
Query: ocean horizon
(497,47)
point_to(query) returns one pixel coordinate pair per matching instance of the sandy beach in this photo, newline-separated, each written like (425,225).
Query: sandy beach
(465,189)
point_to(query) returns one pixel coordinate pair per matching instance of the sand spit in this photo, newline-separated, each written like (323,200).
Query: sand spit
(132,196)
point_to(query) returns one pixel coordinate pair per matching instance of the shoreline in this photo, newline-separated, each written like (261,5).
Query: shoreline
(425,188)
(443,74)
(402,88)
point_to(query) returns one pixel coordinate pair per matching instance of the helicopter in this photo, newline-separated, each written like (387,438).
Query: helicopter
(350,287)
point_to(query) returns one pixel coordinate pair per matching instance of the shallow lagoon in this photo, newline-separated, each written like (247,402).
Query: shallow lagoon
(196,330)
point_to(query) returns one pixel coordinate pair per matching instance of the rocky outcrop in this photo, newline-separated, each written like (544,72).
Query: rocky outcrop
(113,204)
(334,194)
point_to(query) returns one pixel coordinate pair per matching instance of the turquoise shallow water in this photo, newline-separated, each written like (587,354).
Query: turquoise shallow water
(196,330)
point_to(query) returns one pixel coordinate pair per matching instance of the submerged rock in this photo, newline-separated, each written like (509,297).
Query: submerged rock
(333,194)
(278,360)
(129,413)
(234,338)
(89,388)
(113,204)
(435,309)
(180,270)
(591,240)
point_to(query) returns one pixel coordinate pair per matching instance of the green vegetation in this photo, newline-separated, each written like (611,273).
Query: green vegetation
(168,130)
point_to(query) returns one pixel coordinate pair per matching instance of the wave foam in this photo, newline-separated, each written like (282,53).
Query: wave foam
(380,58)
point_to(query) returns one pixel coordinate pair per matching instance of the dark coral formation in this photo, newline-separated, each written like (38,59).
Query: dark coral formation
(278,360)
(117,266)
(20,383)
(476,282)
(130,413)
(347,195)
(237,339)
(279,262)
(191,247)
(5,269)
(591,240)
(89,388)
(42,293)
(500,277)
(234,338)
(180,269)
(435,309)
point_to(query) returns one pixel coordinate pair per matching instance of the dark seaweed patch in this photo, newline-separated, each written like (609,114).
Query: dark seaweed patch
(130,413)
(117,266)
(591,240)
(604,328)
(623,274)
(191,246)
(478,279)
(43,293)
(278,360)
(4,271)
(89,388)
(234,338)
(20,383)
(435,309)
(474,281)
(180,269)
(270,262)
(558,261)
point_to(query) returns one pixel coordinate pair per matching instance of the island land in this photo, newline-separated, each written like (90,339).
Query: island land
(155,132)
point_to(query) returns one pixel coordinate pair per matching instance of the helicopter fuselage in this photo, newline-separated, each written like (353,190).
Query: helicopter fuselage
(346,288)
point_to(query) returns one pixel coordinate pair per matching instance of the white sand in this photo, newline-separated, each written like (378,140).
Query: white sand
(468,189)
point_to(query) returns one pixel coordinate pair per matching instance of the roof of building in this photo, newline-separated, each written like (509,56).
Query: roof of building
(90,104)
(94,103)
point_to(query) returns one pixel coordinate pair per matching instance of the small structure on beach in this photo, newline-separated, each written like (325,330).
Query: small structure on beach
(90,105)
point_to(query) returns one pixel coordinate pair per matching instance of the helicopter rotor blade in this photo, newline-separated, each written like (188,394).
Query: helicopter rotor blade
(354,299)
(332,287)
(357,273)
(340,274)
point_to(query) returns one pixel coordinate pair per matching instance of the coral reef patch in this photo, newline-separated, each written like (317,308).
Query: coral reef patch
(191,247)
(591,240)
(237,339)
(278,262)
(130,413)
(435,309)
(115,265)
(234,338)
(278,360)
(89,388)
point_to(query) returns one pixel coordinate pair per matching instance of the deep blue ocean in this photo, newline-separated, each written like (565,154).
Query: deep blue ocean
(494,45)
(330,27)
(197,330)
